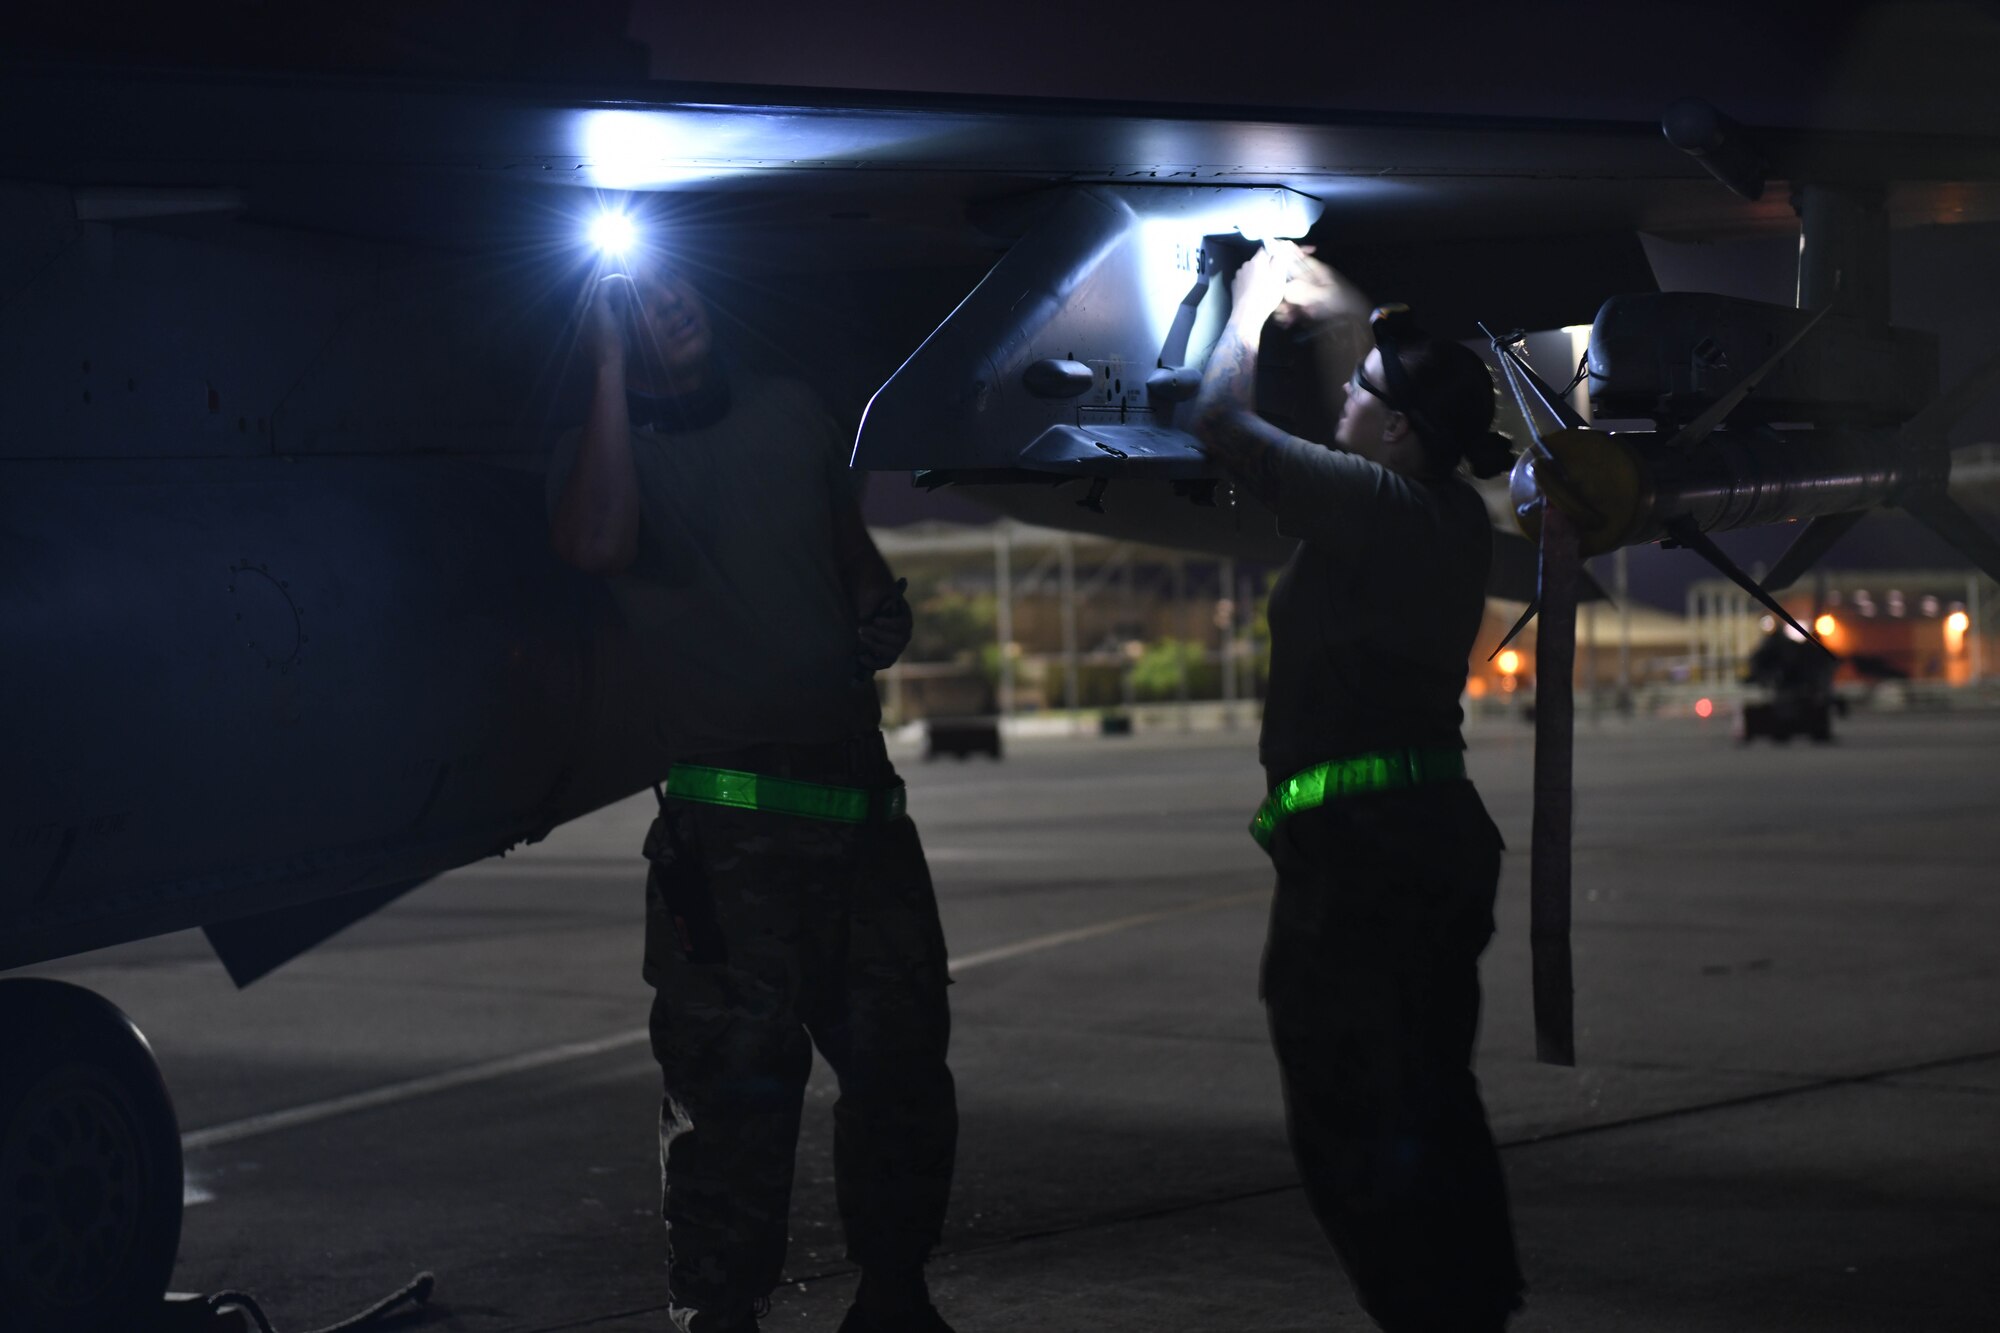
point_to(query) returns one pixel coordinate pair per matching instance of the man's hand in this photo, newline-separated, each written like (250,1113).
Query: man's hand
(881,639)
(1278,275)
(610,305)
(1314,294)
(1258,287)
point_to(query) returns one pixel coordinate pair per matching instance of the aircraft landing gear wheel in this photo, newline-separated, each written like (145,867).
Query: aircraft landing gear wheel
(90,1164)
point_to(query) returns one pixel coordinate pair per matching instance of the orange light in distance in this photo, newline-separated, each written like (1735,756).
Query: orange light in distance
(1704,708)
(1509,662)
(1826,626)
(1955,626)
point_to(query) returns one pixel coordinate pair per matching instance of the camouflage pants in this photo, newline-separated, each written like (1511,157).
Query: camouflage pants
(1371,985)
(767,935)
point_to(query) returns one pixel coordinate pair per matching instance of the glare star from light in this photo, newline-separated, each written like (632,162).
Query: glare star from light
(613,234)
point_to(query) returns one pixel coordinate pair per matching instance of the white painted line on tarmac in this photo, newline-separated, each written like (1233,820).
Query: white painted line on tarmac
(1040,942)
(959,855)
(388,1094)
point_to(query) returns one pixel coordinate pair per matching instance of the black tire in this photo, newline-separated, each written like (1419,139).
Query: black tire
(90,1164)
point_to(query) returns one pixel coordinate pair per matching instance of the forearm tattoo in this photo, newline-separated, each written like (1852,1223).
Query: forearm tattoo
(1227,425)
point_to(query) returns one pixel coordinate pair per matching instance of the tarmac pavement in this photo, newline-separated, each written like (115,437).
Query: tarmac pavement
(1784,1116)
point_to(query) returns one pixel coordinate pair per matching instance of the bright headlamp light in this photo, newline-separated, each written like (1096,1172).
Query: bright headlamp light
(613,233)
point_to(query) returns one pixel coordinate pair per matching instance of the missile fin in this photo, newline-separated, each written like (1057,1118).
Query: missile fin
(1808,548)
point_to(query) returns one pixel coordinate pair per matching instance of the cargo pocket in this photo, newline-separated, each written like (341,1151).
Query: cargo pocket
(681,925)
(892,904)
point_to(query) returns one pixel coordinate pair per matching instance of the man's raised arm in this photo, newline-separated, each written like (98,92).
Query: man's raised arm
(595,526)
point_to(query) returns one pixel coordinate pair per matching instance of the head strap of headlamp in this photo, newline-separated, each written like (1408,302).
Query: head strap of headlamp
(1394,329)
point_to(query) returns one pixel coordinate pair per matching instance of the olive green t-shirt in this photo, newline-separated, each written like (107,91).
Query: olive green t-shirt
(1372,622)
(736,603)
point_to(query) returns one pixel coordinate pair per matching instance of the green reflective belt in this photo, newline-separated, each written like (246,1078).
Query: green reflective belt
(1378,770)
(785,796)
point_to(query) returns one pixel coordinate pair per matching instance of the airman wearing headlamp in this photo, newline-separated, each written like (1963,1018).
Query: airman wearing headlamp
(1386,860)
(788,904)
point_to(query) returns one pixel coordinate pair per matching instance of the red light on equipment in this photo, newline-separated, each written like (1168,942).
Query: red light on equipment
(1704,708)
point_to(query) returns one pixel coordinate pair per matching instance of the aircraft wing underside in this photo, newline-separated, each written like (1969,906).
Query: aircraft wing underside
(427,160)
